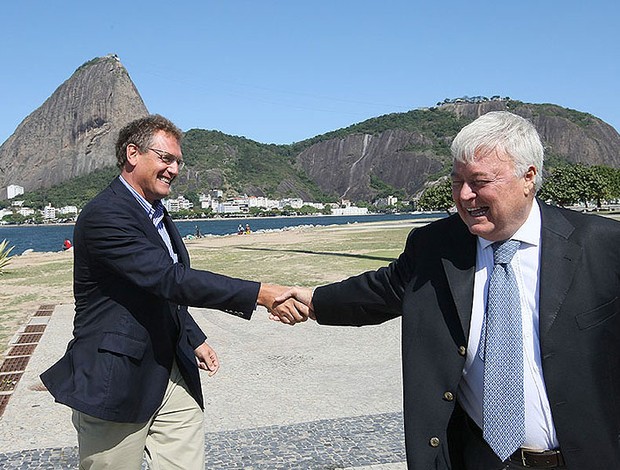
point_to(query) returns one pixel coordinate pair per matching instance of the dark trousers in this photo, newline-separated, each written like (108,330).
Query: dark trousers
(476,453)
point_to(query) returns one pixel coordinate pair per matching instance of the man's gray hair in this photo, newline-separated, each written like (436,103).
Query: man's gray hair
(505,132)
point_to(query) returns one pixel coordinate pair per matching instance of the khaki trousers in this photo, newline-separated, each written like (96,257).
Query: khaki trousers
(173,438)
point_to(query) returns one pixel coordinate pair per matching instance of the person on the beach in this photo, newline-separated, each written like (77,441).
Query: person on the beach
(508,362)
(130,373)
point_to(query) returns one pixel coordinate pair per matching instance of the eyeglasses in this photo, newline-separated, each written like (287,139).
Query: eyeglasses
(168,158)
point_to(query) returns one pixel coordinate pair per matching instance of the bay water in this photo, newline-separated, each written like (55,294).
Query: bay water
(49,238)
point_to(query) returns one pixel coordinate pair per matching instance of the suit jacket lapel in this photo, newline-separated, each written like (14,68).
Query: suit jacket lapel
(559,259)
(151,231)
(459,265)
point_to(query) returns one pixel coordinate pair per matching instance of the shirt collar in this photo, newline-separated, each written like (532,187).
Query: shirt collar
(528,233)
(146,205)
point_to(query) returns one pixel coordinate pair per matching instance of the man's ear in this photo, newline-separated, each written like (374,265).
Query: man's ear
(530,179)
(132,154)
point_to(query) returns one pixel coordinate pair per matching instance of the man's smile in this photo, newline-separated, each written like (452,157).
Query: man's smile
(477,211)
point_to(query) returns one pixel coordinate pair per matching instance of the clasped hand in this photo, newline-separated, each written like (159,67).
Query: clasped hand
(289,305)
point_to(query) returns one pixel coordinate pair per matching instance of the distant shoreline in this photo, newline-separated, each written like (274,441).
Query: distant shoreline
(216,219)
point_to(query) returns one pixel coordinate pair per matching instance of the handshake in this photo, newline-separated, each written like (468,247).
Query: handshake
(289,305)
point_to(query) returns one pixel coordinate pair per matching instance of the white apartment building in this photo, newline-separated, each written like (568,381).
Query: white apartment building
(262,202)
(13,190)
(233,206)
(175,205)
(49,212)
(295,203)
(25,211)
(350,210)
(68,210)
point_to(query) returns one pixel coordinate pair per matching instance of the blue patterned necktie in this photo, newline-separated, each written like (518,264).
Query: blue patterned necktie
(503,403)
(158,215)
(158,221)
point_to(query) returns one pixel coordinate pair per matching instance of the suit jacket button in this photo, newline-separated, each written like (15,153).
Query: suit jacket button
(434,442)
(462,350)
(448,396)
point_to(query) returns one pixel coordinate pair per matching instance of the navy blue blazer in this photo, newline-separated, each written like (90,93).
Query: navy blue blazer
(131,319)
(431,287)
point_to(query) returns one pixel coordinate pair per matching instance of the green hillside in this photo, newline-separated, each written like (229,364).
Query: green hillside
(237,165)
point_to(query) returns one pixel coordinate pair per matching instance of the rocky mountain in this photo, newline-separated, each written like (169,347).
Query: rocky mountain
(71,137)
(406,150)
(73,132)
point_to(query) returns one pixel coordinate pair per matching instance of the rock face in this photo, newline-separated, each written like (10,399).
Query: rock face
(573,136)
(74,131)
(405,159)
(344,166)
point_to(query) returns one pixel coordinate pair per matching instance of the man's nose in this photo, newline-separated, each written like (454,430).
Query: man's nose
(466,192)
(173,168)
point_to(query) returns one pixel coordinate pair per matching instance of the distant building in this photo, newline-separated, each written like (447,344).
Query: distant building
(233,206)
(25,211)
(68,210)
(386,201)
(295,203)
(14,190)
(350,210)
(5,212)
(49,212)
(175,205)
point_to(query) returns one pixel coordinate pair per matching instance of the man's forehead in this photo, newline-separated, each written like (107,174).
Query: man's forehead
(165,139)
(479,168)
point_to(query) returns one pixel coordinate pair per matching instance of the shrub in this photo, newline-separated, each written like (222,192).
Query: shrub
(5,255)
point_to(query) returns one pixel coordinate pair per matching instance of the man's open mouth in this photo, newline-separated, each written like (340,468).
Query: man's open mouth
(477,211)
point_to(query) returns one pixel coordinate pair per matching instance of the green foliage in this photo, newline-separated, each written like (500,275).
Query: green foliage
(75,192)
(435,123)
(437,197)
(577,117)
(89,63)
(384,189)
(5,255)
(14,218)
(571,184)
(240,166)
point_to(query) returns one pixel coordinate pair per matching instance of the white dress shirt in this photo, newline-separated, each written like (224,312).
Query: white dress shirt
(157,221)
(539,428)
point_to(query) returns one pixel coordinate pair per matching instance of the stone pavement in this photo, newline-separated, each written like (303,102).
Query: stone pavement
(302,397)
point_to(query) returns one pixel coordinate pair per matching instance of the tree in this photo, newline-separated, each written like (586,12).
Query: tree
(570,184)
(437,197)
(611,176)
(14,218)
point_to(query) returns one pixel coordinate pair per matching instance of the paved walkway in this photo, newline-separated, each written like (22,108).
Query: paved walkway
(303,397)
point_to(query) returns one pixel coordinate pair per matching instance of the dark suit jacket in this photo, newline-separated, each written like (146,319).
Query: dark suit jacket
(131,318)
(431,286)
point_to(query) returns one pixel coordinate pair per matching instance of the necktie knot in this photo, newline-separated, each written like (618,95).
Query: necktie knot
(504,251)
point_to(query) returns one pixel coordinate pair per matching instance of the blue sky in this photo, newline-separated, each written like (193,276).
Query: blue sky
(283,71)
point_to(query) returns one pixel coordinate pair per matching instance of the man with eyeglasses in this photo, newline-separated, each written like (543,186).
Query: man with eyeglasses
(130,373)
